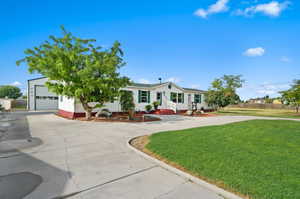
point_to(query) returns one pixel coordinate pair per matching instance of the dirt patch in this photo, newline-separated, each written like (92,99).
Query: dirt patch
(141,142)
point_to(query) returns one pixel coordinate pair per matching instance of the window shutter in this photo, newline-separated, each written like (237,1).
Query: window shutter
(200,98)
(183,98)
(139,97)
(148,97)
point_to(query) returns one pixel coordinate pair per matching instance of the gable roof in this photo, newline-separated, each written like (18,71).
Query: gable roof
(141,85)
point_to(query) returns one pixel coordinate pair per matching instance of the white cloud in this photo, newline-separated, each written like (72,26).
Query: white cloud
(219,6)
(16,83)
(143,81)
(255,52)
(272,9)
(271,89)
(285,59)
(173,79)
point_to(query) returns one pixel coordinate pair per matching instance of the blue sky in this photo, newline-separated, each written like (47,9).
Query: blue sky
(189,42)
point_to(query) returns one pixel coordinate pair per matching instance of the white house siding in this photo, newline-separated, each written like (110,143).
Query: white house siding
(115,107)
(66,104)
(39,97)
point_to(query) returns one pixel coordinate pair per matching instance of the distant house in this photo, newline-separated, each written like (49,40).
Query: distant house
(257,101)
(277,101)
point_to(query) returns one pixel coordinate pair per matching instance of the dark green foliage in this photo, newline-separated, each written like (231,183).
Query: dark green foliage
(259,158)
(11,92)
(127,102)
(292,96)
(223,91)
(148,107)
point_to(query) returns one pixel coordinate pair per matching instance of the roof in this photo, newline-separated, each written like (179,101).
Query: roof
(37,78)
(193,89)
(141,85)
(158,84)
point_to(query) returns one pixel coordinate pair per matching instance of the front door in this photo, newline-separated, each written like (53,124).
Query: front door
(159,97)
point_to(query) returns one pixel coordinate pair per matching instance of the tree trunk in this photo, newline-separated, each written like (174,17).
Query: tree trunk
(87,109)
(131,114)
(88,114)
(297,109)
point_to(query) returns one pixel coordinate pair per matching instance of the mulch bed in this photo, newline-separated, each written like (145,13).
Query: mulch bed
(201,115)
(121,118)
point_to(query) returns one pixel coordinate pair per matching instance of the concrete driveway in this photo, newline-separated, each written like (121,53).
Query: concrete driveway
(91,160)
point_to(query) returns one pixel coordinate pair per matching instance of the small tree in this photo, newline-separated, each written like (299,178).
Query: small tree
(80,69)
(127,103)
(11,92)
(223,91)
(292,96)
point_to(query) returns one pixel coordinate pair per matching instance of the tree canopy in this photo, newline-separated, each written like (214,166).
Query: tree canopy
(223,91)
(11,92)
(292,96)
(79,69)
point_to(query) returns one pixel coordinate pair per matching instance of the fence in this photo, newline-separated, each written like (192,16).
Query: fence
(261,106)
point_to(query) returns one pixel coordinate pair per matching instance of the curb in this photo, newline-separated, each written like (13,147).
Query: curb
(211,187)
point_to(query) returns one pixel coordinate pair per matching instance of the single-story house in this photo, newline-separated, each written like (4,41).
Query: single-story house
(171,96)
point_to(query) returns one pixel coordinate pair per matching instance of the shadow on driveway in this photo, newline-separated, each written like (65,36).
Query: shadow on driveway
(22,174)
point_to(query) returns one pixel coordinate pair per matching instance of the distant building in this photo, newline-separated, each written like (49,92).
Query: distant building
(277,101)
(257,101)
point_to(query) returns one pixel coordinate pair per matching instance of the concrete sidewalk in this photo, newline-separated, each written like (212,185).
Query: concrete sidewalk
(91,160)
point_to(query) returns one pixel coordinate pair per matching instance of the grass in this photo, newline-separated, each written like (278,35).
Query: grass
(285,113)
(258,158)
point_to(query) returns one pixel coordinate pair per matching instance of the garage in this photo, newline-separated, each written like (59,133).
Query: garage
(45,100)
(39,97)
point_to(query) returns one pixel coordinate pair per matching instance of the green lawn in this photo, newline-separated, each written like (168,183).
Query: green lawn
(259,158)
(260,112)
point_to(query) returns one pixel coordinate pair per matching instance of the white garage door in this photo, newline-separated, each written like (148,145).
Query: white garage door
(45,100)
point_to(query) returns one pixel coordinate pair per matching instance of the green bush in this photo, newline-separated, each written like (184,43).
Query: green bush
(127,103)
(148,107)
(156,104)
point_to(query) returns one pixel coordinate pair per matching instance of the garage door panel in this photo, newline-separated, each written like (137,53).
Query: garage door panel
(45,100)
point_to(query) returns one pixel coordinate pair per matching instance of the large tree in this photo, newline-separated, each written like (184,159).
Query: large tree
(79,69)
(223,91)
(292,96)
(12,92)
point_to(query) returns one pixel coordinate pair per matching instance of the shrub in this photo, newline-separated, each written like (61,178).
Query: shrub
(156,104)
(148,107)
(127,103)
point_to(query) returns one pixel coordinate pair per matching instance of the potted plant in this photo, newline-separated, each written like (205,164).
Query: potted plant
(148,108)
(156,104)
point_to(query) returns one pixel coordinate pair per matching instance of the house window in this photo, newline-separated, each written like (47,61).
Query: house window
(197,98)
(173,97)
(144,96)
(180,98)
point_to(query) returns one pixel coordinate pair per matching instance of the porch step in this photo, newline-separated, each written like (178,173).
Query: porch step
(163,112)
